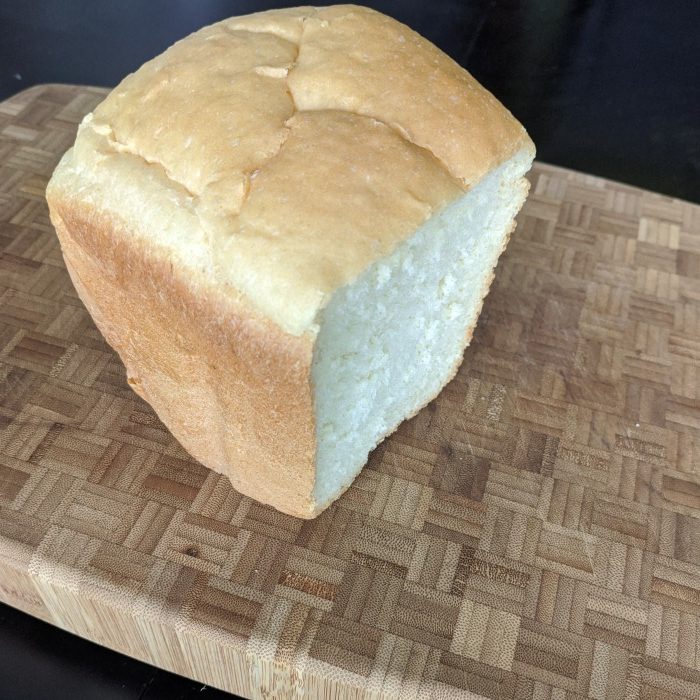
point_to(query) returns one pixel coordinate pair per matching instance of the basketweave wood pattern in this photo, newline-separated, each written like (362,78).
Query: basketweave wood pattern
(533,533)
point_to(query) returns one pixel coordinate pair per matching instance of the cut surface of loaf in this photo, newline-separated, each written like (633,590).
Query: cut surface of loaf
(286,225)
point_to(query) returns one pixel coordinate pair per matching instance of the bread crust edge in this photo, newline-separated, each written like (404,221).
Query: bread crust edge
(230,385)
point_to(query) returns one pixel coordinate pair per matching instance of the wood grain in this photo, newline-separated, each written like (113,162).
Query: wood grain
(533,533)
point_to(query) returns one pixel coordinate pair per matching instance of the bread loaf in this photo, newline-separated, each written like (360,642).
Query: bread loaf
(286,225)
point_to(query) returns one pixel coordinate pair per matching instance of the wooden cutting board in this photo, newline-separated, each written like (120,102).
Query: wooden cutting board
(533,533)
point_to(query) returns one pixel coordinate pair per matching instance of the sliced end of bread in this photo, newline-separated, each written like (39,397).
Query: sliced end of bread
(391,340)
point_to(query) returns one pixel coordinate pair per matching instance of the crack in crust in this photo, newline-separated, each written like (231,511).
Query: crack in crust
(297,147)
(275,73)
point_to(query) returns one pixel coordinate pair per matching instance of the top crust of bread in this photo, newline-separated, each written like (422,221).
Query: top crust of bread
(277,155)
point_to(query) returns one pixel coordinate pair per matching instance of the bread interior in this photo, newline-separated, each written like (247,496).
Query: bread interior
(394,337)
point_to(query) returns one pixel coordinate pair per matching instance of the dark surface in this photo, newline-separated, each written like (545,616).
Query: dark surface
(39,661)
(610,87)
(607,87)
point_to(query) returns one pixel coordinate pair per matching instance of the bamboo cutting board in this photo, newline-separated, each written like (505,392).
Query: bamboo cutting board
(533,533)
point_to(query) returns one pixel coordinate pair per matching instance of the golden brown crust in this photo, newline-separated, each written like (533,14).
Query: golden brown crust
(356,59)
(231,387)
(269,129)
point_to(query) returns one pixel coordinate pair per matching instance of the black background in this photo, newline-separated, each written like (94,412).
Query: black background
(610,87)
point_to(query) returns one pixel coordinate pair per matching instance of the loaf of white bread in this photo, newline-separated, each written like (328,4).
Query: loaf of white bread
(286,225)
